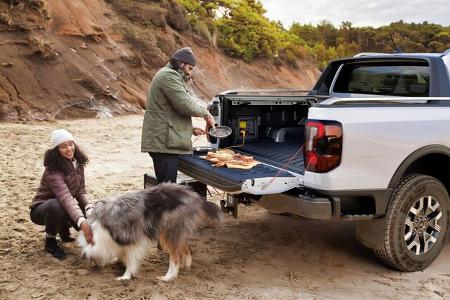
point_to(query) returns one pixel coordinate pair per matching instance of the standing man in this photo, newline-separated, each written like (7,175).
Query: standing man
(167,127)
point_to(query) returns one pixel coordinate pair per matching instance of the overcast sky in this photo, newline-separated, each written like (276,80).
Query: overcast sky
(361,13)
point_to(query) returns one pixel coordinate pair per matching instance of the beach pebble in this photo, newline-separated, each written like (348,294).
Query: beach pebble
(19,228)
(158,296)
(82,272)
(11,288)
(37,295)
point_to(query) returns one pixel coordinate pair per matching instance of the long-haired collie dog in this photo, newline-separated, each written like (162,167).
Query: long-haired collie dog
(126,226)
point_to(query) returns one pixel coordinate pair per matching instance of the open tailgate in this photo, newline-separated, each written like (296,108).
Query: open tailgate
(264,178)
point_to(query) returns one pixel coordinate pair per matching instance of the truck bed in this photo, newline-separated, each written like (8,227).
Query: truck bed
(277,154)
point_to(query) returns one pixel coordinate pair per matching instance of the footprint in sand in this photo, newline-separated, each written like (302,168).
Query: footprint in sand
(5,247)
(20,229)
(21,220)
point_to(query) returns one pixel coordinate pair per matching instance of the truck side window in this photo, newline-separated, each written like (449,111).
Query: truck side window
(409,79)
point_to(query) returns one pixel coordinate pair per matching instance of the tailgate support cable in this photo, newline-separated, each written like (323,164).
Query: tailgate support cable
(283,167)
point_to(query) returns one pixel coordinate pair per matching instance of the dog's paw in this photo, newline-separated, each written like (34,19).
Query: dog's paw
(124,277)
(188,263)
(166,278)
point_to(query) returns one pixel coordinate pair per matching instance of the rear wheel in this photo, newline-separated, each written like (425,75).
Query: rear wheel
(416,223)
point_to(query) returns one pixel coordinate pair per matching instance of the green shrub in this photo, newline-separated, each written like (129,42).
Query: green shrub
(244,32)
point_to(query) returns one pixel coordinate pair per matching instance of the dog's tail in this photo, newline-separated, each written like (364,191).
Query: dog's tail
(212,212)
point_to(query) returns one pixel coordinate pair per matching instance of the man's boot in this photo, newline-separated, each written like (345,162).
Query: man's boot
(51,246)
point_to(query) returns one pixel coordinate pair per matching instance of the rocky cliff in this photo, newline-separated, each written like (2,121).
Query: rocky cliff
(96,58)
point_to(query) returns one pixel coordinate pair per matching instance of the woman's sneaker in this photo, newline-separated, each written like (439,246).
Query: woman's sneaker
(51,246)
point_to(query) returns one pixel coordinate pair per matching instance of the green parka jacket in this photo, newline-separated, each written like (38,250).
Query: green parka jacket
(167,126)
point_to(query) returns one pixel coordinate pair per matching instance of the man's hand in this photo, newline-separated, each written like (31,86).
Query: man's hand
(210,121)
(87,231)
(198,131)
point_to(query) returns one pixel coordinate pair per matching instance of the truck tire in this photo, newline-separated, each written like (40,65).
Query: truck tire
(416,223)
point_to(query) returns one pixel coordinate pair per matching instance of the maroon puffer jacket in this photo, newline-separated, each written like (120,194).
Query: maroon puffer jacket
(69,189)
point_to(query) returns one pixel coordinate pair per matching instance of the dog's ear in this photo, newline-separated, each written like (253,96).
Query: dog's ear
(99,203)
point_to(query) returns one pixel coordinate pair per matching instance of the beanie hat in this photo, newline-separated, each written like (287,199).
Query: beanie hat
(60,136)
(185,55)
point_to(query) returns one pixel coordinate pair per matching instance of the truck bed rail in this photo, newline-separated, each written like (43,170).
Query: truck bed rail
(388,100)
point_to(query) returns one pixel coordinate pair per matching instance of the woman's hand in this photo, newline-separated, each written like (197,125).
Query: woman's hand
(198,131)
(87,231)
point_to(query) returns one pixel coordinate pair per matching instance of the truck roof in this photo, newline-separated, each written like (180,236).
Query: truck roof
(401,55)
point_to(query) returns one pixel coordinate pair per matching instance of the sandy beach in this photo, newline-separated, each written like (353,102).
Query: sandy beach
(258,256)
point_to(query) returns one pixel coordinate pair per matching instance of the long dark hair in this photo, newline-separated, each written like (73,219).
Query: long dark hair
(55,162)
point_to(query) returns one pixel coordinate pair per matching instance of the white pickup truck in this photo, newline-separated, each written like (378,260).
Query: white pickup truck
(370,142)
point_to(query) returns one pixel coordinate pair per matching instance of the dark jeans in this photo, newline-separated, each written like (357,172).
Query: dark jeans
(51,214)
(166,166)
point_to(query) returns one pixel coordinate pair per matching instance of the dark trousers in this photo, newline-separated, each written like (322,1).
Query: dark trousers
(166,166)
(51,214)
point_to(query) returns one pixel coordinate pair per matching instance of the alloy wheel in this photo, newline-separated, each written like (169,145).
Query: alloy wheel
(423,225)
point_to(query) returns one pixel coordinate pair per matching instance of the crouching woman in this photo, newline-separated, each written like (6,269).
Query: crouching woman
(61,200)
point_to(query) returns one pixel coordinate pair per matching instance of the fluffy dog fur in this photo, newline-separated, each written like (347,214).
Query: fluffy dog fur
(126,226)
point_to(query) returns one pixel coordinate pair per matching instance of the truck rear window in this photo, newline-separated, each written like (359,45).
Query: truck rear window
(410,79)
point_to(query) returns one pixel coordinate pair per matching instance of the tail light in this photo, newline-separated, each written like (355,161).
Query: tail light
(323,145)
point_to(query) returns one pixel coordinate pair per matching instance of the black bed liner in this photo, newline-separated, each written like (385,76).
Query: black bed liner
(277,154)
(271,154)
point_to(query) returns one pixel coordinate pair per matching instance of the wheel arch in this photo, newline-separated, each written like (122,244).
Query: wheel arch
(432,160)
(368,232)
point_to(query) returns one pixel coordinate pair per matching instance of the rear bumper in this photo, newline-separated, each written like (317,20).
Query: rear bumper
(312,207)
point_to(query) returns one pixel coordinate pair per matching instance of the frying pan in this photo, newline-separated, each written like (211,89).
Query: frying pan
(220,132)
